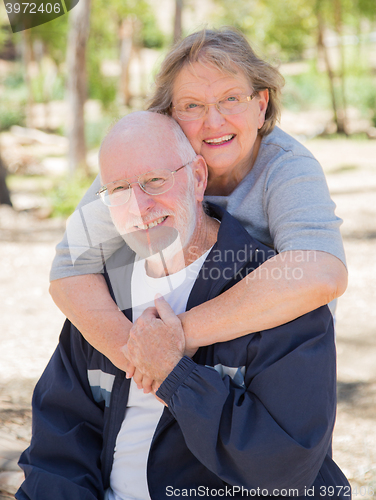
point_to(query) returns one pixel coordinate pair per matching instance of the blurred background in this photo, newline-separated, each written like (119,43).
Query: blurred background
(62,85)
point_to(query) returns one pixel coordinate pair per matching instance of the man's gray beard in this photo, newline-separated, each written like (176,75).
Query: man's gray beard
(169,240)
(164,239)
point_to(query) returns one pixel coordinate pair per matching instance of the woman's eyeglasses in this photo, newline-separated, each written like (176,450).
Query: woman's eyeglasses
(231,105)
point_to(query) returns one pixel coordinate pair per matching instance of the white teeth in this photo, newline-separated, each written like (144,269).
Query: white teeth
(225,138)
(152,224)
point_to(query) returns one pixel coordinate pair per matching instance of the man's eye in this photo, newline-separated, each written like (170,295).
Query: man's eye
(117,189)
(155,180)
(232,98)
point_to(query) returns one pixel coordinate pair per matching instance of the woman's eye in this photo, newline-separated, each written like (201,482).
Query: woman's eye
(232,98)
(191,105)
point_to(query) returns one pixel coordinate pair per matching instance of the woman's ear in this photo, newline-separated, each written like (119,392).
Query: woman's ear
(200,174)
(263,100)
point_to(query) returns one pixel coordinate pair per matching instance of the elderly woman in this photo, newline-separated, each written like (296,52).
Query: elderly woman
(226,100)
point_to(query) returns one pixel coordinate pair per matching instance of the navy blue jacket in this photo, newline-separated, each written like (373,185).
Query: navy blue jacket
(256,412)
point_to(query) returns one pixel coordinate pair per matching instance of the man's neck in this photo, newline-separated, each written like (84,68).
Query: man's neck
(203,238)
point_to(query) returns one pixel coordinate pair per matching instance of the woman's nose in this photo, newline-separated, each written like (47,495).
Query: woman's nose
(213,118)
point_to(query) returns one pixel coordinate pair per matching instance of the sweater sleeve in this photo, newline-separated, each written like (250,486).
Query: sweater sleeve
(63,459)
(273,430)
(300,212)
(89,239)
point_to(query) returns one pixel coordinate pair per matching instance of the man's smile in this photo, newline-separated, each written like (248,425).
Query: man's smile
(152,224)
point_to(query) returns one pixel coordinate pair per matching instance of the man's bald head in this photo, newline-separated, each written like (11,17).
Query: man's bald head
(151,133)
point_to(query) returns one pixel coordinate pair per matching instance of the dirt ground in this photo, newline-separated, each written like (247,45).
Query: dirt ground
(30,322)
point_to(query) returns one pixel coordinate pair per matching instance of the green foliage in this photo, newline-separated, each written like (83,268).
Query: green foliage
(365,100)
(305,90)
(151,36)
(101,87)
(66,194)
(11,113)
(15,79)
(95,131)
(12,99)
(5,29)
(44,90)
(53,35)
(106,19)
(288,27)
(366,8)
(311,89)
(3,36)
(283,28)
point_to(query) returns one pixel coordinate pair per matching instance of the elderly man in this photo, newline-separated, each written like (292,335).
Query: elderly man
(249,417)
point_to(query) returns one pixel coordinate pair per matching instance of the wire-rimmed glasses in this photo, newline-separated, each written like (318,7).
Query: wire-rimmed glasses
(230,105)
(155,182)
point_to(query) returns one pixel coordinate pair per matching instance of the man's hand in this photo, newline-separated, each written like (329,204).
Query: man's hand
(156,342)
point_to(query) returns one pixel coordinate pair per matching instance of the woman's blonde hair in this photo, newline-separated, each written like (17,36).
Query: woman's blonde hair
(228,50)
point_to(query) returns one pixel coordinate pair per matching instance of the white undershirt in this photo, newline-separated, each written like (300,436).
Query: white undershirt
(128,477)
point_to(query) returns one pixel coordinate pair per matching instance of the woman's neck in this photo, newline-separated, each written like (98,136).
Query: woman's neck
(224,183)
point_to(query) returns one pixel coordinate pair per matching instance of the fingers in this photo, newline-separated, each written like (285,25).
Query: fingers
(142,381)
(129,368)
(137,377)
(147,316)
(164,310)
(147,384)
(155,386)
(130,371)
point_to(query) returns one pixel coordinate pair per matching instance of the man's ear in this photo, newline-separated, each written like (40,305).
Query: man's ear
(200,174)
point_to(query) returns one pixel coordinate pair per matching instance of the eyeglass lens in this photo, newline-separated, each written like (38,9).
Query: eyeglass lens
(228,106)
(155,182)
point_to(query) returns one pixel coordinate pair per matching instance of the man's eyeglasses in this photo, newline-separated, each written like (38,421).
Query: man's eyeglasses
(231,105)
(154,182)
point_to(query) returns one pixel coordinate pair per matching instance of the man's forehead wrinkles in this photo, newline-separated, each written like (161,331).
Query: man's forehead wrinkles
(129,163)
(139,144)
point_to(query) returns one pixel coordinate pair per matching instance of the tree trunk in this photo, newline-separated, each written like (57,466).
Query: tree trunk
(342,119)
(126,45)
(27,56)
(178,20)
(77,92)
(4,191)
(322,48)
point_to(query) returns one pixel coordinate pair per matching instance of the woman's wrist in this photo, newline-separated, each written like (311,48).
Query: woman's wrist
(192,341)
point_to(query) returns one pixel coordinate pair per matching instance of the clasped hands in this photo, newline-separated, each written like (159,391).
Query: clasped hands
(155,346)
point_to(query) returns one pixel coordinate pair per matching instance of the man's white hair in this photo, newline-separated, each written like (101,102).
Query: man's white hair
(186,151)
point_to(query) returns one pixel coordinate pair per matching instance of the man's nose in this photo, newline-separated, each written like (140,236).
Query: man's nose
(140,202)
(213,118)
